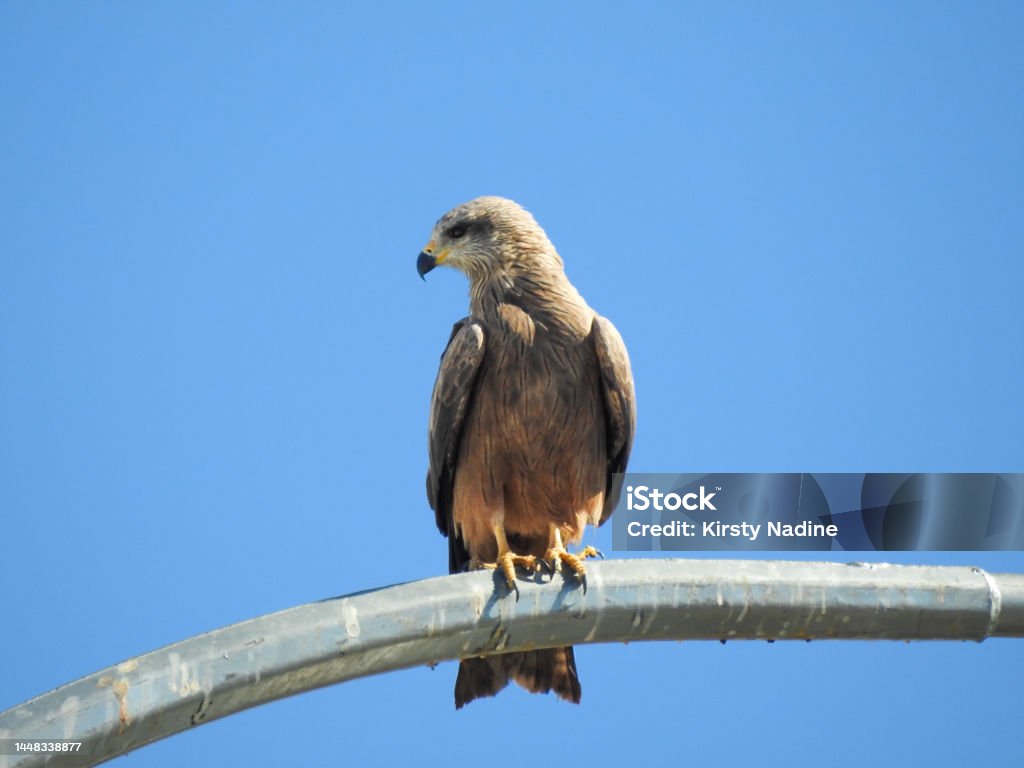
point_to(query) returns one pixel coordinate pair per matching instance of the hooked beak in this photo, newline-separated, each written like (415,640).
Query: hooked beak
(424,263)
(427,259)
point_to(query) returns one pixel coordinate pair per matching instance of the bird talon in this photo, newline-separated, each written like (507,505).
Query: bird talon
(559,556)
(507,563)
(590,552)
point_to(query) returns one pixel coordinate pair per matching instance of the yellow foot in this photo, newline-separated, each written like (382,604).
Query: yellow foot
(507,563)
(557,555)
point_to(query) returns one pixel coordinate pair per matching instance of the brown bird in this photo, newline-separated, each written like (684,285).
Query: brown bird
(532,414)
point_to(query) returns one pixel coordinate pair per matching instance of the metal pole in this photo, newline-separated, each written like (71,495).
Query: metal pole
(222,672)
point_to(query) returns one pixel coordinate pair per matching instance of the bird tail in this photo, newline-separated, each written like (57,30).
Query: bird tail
(552,669)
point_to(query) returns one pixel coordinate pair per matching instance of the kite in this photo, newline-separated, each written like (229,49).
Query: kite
(531,415)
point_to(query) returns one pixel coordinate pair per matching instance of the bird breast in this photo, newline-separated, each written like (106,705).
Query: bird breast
(540,397)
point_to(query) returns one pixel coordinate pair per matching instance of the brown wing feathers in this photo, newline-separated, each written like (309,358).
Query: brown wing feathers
(453,394)
(619,400)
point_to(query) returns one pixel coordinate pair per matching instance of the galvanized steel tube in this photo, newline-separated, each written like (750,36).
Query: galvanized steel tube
(222,672)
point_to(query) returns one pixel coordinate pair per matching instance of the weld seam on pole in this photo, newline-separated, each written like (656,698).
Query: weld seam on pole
(995,601)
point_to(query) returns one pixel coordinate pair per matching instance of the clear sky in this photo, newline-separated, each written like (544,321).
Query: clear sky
(216,356)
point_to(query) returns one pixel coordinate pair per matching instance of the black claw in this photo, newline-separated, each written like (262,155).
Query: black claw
(599,553)
(515,588)
(549,568)
(583,581)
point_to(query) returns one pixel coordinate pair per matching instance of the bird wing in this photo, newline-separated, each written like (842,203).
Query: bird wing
(453,394)
(619,404)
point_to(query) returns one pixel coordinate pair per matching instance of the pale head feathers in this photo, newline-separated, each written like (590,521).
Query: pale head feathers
(493,237)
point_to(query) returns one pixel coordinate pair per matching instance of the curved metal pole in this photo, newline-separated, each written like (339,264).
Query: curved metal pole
(222,672)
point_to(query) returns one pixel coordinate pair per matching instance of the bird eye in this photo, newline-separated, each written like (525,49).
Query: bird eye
(456,232)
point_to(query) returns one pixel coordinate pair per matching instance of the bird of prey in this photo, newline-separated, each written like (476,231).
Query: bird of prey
(531,415)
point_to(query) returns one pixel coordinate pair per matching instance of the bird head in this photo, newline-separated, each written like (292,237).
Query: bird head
(485,237)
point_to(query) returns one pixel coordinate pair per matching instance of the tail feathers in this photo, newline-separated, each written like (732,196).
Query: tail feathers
(553,669)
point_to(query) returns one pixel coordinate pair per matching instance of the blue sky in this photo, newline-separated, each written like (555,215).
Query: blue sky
(804,218)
